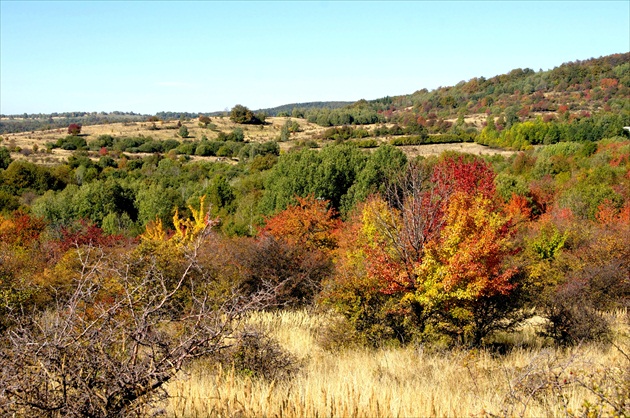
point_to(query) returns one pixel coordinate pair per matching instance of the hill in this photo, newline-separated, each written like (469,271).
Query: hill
(580,100)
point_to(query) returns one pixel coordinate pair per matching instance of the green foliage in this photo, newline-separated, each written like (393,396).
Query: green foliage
(522,135)
(71,142)
(101,141)
(5,157)
(94,201)
(237,135)
(384,164)
(327,174)
(207,148)
(221,195)
(241,114)
(360,113)
(22,176)
(159,202)
(547,246)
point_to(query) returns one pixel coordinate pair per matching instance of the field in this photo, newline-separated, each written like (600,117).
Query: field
(531,381)
(35,142)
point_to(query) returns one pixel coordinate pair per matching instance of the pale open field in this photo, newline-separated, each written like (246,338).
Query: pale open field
(168,130)
(409,382)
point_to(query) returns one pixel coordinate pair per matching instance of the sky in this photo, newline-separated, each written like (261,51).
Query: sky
(198,56)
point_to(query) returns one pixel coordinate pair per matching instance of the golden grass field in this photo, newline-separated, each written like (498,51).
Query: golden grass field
(531,381)
(168,130)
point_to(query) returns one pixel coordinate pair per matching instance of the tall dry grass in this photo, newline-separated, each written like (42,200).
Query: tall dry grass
(409,381)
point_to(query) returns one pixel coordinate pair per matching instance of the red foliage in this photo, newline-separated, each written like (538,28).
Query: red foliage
(82,233)
(608,215)
(455,175)
(74,129)
(609,82)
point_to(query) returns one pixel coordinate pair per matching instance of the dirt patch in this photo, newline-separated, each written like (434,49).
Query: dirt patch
(467,147)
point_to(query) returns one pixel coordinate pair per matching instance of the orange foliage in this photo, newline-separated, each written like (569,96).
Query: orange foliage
(21,229)
(309,222)
(518,208)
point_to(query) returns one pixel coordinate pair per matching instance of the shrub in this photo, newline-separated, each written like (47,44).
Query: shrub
(71,142)
(257,355)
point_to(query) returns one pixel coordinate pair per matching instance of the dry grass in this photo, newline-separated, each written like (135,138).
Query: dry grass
(168,130)
(400,382)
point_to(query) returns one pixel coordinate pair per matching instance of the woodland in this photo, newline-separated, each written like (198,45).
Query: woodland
(222,264)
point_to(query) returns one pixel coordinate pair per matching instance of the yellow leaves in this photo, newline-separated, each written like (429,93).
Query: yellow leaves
(467,261)
(6,225)
(154,231)
(186,229)
(379,222)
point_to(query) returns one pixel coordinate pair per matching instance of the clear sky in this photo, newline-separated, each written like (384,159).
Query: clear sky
(206,56)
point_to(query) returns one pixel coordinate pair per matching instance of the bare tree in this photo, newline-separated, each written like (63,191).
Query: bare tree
(417,217)
(125,331)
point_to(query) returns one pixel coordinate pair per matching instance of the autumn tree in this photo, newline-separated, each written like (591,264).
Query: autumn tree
(465,281)
(74,129)
(310,223)
(437,245)
(292,252)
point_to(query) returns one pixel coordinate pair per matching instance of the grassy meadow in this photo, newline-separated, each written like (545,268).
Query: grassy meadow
(36,140)
(532,380)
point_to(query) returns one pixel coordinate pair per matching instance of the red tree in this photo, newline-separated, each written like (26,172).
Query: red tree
(74,129)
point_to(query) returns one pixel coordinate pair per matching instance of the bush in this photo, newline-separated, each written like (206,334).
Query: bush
(293,271)
(572,316)
(71,142)
(257,355)
(5,158)
(338,335)
(74,129)
(367,143)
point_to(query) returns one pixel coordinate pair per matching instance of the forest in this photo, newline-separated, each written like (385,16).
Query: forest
(194,275)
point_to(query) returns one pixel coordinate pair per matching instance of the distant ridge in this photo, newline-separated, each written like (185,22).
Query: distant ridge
(580,88)
(274,111)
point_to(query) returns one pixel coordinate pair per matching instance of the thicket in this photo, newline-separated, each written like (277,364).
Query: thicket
(539,132)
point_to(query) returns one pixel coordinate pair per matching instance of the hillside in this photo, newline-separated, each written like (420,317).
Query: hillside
(580,88)
(589,85)
(332,262)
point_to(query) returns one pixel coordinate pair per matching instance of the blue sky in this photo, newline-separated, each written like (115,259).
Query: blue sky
(205,56)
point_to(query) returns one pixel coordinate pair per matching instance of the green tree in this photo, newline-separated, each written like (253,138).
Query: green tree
(183,131)
(327,174)
(241,114)
(5,157)
(385,163)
